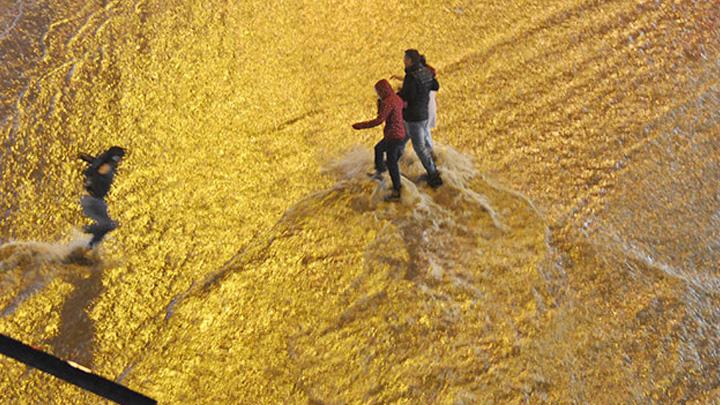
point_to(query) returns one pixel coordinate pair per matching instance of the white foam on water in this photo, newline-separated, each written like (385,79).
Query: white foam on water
(439,229)
(354,164)
(41,252)
(437,225)
(29,264)
(436,271)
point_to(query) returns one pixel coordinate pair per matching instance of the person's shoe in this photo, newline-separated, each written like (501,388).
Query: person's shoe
(435,180)
(393,197)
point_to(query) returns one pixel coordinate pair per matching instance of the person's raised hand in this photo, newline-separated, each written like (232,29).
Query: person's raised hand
(85,157)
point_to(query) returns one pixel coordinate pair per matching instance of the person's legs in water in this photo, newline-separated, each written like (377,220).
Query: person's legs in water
(380,151)
(96,209)
(404,142)
(417,132)
(394,149)
(429,141)
(428,138)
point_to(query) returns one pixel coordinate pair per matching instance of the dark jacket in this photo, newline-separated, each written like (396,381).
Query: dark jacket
(418,83)
(96,184)
(390,111)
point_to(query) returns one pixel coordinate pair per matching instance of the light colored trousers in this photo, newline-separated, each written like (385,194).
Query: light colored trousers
(418,133)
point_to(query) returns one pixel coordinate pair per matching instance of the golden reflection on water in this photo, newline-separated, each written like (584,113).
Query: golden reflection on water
(574,261)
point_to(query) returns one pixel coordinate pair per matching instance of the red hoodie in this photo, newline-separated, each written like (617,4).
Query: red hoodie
(390,112)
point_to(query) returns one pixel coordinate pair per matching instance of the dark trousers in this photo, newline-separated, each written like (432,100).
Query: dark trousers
(96,209)
(391,150)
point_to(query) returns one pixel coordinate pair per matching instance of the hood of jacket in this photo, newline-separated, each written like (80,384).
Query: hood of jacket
(384,89)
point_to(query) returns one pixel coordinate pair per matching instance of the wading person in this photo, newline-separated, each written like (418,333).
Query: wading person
(390,110)
(99,176)
(419,81)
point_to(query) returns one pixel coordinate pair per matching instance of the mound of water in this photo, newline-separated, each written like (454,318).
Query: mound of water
(436,291)
(26,267)
(34,253)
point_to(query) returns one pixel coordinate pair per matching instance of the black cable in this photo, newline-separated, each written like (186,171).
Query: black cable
(61,369)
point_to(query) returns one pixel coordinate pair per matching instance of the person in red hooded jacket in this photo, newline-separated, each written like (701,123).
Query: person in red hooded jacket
(390,111)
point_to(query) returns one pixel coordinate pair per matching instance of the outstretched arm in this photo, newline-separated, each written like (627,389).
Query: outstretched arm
(98,164)
(86,157)
(382,116)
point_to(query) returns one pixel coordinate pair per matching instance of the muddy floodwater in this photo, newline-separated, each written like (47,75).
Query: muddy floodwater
(572,256)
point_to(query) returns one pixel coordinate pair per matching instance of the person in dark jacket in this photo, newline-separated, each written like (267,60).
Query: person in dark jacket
(99,176)
(419,81)
(390,110)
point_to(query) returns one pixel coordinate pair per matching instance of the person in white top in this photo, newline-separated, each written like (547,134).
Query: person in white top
(432,108)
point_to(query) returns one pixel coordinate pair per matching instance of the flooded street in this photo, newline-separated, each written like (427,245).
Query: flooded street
(573,255)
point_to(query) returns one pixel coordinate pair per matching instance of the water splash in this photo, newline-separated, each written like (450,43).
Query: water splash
(31,265)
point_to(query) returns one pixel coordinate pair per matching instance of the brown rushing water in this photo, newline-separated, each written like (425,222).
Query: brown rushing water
(572,256)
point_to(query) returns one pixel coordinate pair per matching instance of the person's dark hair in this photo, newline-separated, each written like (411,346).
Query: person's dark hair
(423,60)
(116,151)
(414,56)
